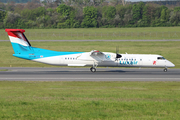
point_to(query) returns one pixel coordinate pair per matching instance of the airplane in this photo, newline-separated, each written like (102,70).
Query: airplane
(23,49)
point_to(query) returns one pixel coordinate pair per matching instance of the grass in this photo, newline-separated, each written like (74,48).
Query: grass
(145,33)
(170,50)
(3,69)
(90,100)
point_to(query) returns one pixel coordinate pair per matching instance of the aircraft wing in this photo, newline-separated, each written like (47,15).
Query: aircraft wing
(93,55)
(97,55)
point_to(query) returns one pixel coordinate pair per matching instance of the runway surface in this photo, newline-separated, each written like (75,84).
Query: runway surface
(84,74)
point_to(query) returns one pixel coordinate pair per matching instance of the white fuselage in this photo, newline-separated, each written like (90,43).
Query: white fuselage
(107,60)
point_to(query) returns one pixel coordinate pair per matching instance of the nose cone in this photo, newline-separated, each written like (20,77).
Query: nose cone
(169,64)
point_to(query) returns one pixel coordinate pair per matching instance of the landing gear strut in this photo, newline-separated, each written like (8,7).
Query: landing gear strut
(165,70)
(93,69)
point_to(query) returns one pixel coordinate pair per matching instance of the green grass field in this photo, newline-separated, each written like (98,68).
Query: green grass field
(145,33)
(170,50)
(90,100)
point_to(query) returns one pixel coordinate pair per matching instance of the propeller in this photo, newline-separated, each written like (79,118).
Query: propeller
(117,53)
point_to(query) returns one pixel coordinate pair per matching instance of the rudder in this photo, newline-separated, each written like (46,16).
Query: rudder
(19,41)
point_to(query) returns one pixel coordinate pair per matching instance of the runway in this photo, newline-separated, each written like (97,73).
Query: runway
(84,74)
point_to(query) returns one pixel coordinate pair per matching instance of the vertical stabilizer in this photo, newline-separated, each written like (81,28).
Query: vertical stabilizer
(19,41)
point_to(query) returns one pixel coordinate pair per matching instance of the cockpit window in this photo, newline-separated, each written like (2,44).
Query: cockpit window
(160,58)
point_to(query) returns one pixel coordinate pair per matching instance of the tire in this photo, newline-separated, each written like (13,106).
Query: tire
(165,70)
(93,69)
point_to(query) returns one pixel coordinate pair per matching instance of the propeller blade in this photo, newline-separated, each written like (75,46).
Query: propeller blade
(117,53)
(117,49)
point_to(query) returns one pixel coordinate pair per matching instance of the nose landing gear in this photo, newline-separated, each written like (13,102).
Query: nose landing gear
(165,70)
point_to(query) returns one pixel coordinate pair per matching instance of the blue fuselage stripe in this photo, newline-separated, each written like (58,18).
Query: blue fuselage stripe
(30,53)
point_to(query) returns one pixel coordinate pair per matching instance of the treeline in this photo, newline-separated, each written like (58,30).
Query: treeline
(140,14)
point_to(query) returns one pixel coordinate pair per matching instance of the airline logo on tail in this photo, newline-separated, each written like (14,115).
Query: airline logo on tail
(17,36)
(19,42)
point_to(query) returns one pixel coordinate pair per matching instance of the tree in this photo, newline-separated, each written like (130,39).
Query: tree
(175,18)
(10,6)
(145,17)
(177,9)
(32,14)
(11,20)
(109,12)
(136,13)
(2,6)
(90,16)
(2,17)
(64,10)
(128,17)
(120,10)
(163,15)
(97,2)
(32,5)
(67,18)
(141,7)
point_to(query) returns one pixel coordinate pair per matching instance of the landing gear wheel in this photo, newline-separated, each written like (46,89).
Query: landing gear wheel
(93,69)
(165,70)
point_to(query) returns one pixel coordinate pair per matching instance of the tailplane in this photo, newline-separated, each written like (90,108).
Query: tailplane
(19,41)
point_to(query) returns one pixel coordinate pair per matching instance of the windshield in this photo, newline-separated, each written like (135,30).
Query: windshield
(160,58)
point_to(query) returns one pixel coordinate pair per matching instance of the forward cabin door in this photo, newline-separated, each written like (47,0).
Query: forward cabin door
(61,60)
(141,61)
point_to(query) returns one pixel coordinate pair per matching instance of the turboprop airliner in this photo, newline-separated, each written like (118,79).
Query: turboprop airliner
(23,49)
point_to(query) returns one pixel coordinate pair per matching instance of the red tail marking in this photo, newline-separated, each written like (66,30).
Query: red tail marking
(18,33)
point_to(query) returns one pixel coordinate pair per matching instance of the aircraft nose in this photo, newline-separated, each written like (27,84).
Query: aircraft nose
(173,65)
(170,64)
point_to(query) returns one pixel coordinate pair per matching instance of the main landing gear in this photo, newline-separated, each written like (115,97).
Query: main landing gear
(165,70)
(93,69)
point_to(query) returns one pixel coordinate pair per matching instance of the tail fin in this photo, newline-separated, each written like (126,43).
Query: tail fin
(19,41)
